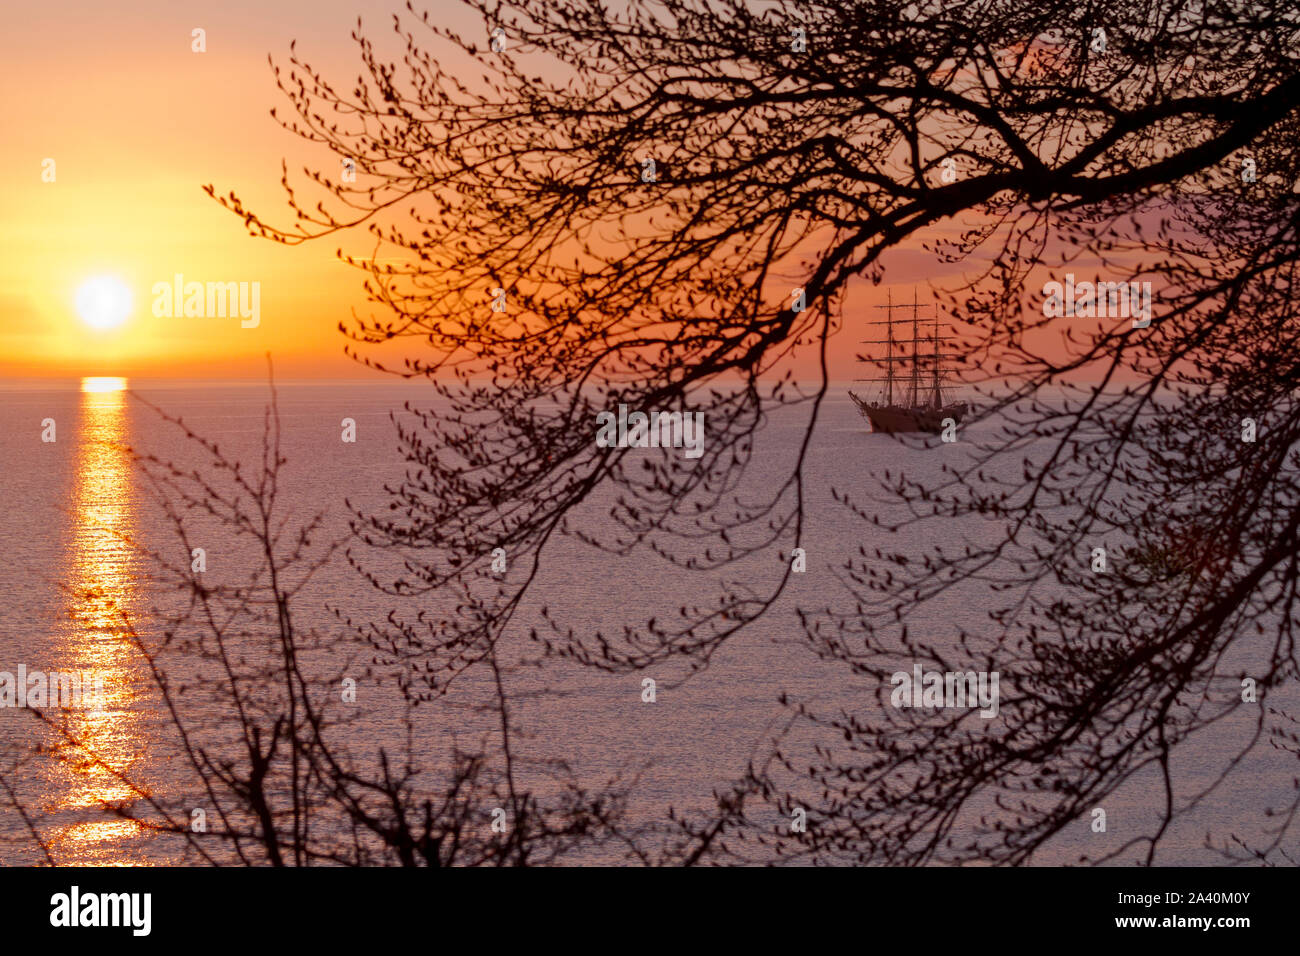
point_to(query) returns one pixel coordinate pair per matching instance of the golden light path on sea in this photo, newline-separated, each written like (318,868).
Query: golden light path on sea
(102,585)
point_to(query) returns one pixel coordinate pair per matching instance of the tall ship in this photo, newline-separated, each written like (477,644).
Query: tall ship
(915,394)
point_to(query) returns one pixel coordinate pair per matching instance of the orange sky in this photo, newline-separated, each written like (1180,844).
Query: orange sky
(136,123)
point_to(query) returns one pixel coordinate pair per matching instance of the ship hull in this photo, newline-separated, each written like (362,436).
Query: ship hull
(892,419)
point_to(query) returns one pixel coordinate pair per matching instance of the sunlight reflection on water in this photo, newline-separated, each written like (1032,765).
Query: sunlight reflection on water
(103,579)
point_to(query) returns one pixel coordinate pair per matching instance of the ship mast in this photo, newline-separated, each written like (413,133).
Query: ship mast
(889,361)
(916,355)
(938,392)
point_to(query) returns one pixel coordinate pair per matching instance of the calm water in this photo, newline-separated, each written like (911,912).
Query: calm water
(69,502)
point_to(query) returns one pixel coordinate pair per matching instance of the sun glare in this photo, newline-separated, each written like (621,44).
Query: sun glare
(103,383)
(104,302)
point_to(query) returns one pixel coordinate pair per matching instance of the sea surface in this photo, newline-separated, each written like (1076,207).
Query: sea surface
(69,505)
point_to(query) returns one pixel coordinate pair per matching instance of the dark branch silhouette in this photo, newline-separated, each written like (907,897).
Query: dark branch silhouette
(624,210)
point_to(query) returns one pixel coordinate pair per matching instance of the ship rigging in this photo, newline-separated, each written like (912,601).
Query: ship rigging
(918,398)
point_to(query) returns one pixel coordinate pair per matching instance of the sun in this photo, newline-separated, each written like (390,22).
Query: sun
(104,302)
